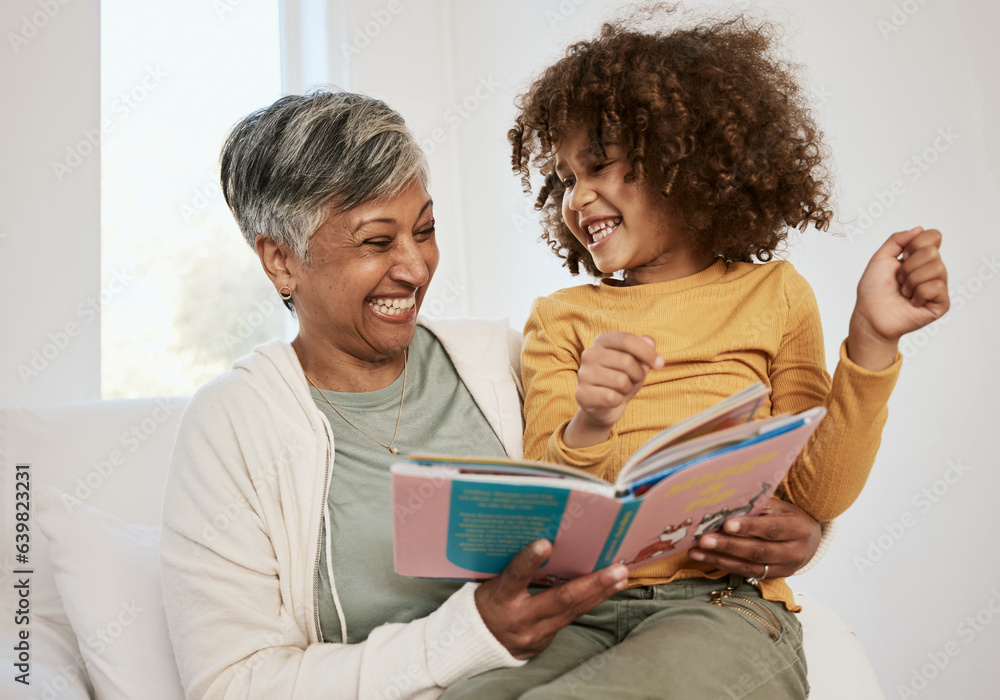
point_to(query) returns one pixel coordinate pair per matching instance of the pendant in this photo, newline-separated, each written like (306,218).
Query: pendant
(393,450)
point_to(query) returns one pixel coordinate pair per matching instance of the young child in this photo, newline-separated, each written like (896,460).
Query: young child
(677,158)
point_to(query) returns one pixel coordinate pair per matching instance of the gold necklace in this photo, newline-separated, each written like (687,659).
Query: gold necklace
(392,450)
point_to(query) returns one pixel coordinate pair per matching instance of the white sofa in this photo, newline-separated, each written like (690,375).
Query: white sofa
(95,617)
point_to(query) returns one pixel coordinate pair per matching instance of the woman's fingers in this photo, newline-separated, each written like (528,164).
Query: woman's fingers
(525,624)
(778,521)
(501,602)
(747,556)
(564,603)
(744,567)
(515,578)
(783,536)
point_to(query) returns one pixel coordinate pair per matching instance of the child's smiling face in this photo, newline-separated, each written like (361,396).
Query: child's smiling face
(624,225)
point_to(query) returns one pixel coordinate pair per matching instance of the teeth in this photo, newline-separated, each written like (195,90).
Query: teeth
(603,229)
(392,307)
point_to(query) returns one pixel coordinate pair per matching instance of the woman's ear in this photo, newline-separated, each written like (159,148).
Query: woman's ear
(276,260)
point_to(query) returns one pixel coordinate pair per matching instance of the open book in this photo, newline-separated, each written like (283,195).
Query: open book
(466,517)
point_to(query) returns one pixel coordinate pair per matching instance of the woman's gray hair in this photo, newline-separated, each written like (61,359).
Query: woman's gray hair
(283,165)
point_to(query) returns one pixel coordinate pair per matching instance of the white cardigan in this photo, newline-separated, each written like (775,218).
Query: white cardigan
(241,529)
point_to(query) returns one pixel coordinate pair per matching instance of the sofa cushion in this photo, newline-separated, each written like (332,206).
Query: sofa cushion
(114,455)
(107,572)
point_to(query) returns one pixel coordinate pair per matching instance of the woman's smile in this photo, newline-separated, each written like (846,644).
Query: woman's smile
(394,309)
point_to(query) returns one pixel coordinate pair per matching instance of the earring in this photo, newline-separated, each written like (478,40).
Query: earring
(285,293)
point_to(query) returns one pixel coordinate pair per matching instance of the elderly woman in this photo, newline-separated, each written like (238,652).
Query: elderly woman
(277,547)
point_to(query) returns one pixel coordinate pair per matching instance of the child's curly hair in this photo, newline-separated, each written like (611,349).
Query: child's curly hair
(704,115)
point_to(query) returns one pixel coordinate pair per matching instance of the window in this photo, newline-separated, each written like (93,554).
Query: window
(182,293)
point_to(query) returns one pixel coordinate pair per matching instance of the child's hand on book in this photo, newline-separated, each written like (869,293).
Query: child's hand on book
(611,372)
(904,288)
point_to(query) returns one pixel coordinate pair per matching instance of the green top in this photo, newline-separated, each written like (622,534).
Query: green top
(439,415)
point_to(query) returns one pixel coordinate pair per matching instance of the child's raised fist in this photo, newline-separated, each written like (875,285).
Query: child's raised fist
(904,287)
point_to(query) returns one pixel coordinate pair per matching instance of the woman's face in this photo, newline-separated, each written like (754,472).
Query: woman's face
(367,274)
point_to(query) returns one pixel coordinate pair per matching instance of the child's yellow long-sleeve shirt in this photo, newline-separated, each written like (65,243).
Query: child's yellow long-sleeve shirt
(719,331)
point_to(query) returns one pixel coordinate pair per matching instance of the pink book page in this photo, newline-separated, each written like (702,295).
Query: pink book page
(677,511)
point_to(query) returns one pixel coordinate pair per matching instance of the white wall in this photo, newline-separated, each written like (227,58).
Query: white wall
(50,229)
(888,77)
(882,100)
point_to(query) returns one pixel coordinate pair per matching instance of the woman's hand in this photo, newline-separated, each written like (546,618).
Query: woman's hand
(904,288)
(525,624)
(612,371)
(782,536)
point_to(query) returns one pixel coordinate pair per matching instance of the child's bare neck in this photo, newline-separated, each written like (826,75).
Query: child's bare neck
(668,270)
